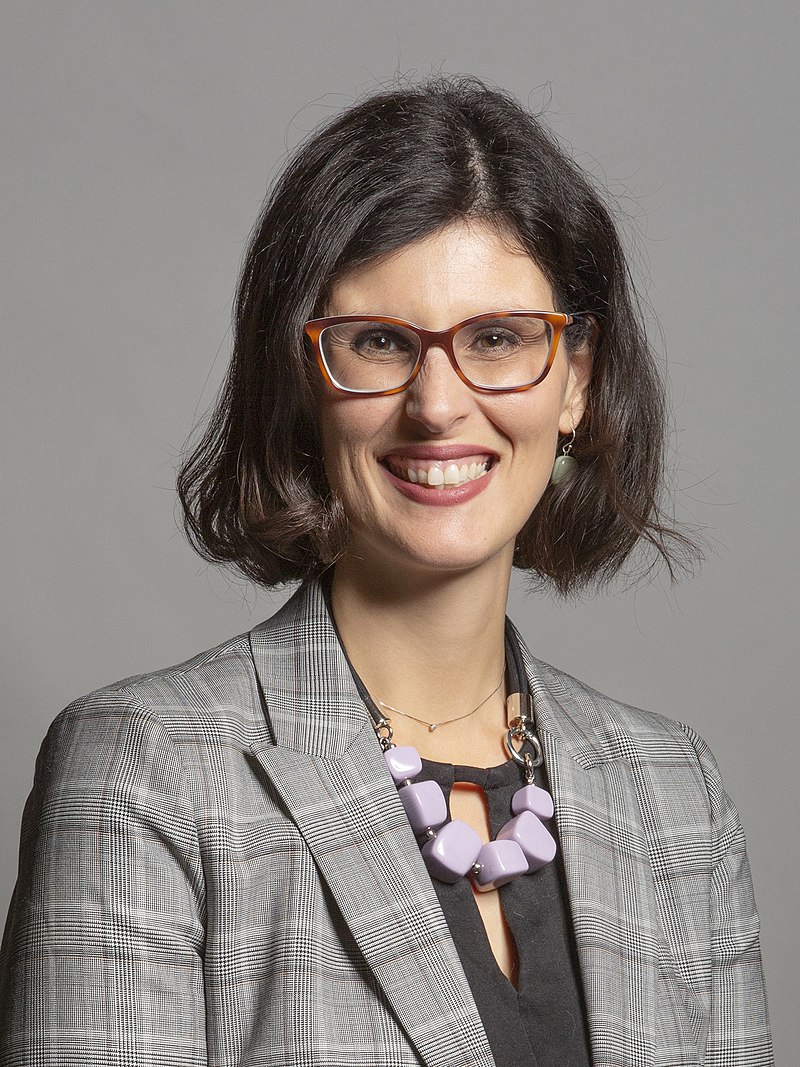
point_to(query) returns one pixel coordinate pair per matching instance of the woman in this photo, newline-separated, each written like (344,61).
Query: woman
(332,840)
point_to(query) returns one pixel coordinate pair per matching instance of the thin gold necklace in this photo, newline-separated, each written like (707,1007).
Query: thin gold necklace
(445,722)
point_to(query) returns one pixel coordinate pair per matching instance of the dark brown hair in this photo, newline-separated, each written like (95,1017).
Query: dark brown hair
(384,173)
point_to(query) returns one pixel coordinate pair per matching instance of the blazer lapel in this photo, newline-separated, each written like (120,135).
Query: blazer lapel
(326,766)
(608,873)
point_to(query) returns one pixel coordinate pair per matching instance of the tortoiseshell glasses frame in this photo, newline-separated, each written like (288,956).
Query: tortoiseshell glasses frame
(557,321)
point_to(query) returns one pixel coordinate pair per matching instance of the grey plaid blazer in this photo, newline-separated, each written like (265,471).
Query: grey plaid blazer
(216,869)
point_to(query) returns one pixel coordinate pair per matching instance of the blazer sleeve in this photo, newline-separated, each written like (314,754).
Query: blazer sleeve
(739,1030)
(102,957)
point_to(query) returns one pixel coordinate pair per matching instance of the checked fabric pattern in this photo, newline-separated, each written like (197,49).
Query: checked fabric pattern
(216,869)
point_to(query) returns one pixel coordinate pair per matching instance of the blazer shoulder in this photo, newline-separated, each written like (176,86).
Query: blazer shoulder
(211,686)
(668,757)
(615,723)
(212,698)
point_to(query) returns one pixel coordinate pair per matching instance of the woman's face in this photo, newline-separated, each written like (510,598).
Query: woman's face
(371,443)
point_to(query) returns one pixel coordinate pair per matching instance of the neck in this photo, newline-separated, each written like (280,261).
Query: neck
(432,646)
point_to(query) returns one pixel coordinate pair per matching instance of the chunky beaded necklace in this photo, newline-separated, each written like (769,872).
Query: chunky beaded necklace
(452,849)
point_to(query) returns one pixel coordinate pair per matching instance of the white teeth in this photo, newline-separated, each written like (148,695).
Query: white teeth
(450,476)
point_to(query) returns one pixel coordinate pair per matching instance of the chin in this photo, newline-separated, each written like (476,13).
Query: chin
(435,556)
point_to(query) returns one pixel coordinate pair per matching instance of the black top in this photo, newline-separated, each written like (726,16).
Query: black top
(542,1024)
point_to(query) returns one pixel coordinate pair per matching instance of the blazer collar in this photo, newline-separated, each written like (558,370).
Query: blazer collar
(326,765)
(604,850)
(312,702)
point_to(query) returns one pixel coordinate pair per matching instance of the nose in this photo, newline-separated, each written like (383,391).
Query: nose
(437,398)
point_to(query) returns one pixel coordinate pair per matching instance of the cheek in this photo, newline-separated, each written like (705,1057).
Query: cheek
(531,424)
(347,429)
(335,451)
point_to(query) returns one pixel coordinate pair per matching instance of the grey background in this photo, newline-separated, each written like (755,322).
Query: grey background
(138,142)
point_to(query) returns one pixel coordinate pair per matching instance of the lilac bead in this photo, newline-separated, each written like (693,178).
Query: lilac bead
(532,837)
(450,854)
(533,798)
(500,862)
(425,805)
(403,762)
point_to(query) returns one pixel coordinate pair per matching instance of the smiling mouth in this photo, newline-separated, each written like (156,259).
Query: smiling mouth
(435,474)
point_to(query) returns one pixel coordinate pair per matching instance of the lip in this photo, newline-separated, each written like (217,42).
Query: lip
(441,497)
(439,452)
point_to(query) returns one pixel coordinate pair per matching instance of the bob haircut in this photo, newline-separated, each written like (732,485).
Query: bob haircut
(386,172)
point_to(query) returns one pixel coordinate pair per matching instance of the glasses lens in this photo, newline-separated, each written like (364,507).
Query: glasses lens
(506,352)
(369,356)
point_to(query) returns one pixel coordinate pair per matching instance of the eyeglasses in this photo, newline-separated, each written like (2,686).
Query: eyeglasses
(499,352)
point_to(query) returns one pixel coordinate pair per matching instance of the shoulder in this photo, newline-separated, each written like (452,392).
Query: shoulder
(176,713)
(614,727)
(670,761)
(672,765)
(203,713)
(216,685)
(216,679)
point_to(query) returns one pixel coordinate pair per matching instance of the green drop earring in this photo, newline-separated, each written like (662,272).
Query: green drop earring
(565,465)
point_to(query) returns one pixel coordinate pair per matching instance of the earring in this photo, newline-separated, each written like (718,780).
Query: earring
(565,465)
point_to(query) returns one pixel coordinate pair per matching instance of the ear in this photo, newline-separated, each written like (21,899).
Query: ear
(577,390)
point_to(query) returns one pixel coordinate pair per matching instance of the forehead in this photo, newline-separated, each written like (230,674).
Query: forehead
(466,268)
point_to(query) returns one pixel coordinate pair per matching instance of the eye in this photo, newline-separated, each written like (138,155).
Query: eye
(491,342)
(378,342)
(375,341)
(493,338)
